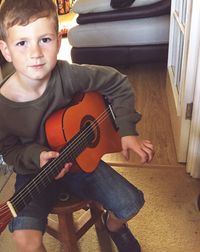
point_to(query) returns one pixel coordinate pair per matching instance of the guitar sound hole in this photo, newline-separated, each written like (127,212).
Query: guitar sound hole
(92,132)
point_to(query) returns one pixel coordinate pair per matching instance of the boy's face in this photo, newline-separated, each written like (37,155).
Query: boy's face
(32,48)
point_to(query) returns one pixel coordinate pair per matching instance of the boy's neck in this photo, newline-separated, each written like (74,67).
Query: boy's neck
(17,89)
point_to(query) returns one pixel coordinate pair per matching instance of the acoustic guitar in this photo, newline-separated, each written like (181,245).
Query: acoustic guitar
(82,133)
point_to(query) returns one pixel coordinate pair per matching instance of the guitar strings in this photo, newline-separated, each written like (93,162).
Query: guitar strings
(55,162)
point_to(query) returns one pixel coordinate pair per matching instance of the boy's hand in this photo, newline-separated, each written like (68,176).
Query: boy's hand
(46,155)
(143,148)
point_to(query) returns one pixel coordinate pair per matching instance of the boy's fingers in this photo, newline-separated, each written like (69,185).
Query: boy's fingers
(146,154)
(52,154)
(64,171)
(149,154)
(125,153)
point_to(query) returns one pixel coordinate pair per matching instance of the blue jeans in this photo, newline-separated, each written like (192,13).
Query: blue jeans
(104,185)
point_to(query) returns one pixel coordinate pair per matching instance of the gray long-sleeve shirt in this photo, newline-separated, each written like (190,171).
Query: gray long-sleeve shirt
(22,133)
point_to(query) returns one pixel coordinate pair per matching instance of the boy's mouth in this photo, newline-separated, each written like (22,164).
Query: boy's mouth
(37,65)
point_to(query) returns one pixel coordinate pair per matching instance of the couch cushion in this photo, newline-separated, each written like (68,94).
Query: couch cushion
(88,6)
(116,4)
(119,55)
(150,10)
(144,31)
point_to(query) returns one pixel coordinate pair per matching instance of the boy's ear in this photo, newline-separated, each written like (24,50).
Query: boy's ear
(5,51)
(59,40)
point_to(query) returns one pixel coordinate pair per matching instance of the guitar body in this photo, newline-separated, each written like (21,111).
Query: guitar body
(65,123)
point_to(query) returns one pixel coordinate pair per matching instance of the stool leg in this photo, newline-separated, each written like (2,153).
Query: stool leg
(96,213)
(67,233)
(105,243)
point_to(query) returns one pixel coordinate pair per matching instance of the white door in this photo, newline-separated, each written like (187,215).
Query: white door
(182,67)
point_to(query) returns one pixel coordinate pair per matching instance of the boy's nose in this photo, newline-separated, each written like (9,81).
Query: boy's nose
(35,51)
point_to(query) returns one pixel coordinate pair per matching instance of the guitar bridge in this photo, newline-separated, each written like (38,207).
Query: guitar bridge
(12,210)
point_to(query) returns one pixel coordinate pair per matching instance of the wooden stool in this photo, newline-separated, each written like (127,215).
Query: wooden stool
(68,230)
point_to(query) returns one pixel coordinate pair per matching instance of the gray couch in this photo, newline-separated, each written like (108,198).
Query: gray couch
(124,36)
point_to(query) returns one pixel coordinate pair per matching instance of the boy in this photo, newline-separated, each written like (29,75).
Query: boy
(40,85)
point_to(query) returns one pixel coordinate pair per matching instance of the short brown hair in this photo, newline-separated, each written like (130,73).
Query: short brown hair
(23,12)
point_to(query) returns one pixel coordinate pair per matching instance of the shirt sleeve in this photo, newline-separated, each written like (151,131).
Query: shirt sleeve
(24,158)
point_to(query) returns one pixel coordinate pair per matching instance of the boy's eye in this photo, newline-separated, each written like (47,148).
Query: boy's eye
(21,43)
(46,40)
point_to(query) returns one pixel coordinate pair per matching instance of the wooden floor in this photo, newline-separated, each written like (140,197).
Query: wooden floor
(149,85)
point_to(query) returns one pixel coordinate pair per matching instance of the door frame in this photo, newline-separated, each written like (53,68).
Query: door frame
(193,158)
